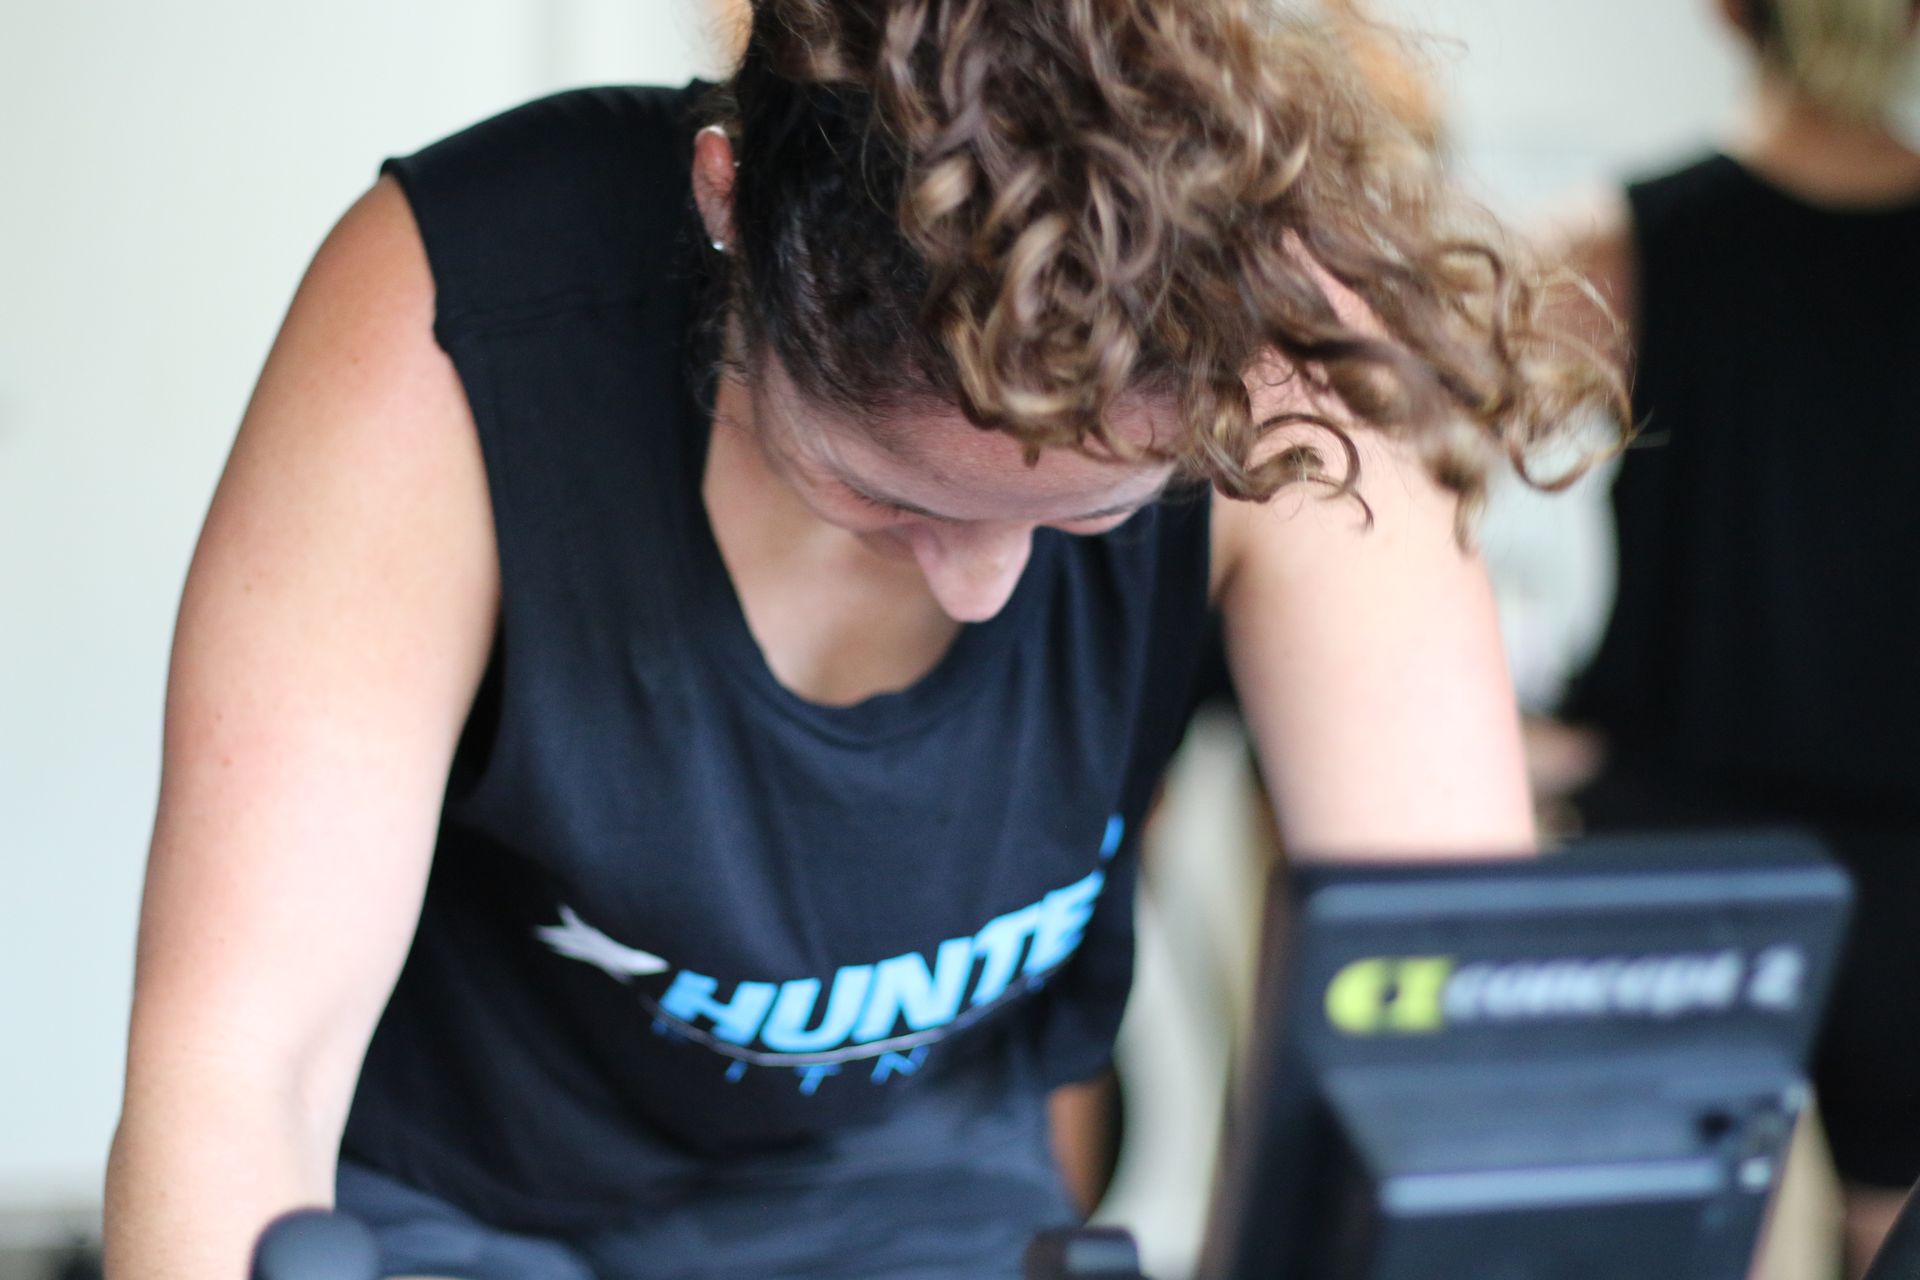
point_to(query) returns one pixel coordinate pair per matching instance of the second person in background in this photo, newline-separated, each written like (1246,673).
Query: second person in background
(1760,663)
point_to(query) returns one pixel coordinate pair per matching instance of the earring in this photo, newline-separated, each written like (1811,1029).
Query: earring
(719,245)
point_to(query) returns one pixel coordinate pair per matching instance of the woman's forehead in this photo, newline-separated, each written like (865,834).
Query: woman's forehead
(929,454)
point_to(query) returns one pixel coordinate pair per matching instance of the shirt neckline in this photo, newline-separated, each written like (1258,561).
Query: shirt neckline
(1887,212)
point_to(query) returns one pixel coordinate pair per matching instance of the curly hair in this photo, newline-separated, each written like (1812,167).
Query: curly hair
(1033,210)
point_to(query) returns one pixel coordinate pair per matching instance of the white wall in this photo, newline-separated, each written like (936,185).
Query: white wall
(165,170)
(1550,93)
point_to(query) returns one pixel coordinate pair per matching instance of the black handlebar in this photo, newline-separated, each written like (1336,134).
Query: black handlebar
(1082,1253)
(313,1244)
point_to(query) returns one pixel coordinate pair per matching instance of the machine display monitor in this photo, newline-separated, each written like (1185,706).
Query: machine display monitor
(1585,1066)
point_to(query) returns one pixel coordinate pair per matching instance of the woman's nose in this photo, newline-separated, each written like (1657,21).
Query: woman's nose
(972,570)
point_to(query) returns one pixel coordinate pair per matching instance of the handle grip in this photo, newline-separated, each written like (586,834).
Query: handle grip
(315,1244)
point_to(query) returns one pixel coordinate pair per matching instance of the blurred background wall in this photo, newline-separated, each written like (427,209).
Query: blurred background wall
(167,168)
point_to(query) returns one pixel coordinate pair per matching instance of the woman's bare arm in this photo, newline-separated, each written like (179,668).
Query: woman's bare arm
(335,625)
(1370,667)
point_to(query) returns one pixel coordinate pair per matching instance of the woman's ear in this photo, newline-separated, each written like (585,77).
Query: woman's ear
(713,167)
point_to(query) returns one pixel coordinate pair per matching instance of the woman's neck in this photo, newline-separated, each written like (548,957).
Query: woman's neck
(1822,157)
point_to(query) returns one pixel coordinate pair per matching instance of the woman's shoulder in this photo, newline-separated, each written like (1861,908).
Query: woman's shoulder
(575,195)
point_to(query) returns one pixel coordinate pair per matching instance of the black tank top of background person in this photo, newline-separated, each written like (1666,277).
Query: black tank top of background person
(685,932)
(1761,654)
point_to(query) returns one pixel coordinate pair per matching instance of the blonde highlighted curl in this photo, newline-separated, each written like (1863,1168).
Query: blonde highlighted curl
(1036,209)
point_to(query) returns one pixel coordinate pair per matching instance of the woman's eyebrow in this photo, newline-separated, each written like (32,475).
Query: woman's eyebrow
(1128,507)
(881,499)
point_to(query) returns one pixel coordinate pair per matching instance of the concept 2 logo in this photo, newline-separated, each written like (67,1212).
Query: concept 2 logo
(1420,995)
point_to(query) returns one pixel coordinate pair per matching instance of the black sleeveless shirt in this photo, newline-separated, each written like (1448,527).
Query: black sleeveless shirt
(687,934)
(1763,641)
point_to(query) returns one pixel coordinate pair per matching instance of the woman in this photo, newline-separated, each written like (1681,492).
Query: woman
(1758,667)
(731,590)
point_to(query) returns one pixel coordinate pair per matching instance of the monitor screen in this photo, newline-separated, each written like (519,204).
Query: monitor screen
(1580,1067)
